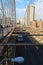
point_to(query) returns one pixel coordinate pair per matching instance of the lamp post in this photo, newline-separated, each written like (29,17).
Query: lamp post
(16,59)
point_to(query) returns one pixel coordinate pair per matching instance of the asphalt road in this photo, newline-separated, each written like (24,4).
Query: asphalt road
(26,39)
(33,55)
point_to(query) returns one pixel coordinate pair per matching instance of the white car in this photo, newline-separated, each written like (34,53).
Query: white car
(19,38)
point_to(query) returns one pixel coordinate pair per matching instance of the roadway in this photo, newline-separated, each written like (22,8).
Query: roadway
(33,55)
(25,35)
(11,40)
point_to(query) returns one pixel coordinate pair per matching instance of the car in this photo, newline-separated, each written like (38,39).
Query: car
(19,38)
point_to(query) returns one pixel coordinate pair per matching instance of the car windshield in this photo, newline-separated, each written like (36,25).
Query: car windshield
(20,36)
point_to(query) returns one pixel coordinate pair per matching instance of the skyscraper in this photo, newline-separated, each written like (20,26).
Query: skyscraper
(29,14)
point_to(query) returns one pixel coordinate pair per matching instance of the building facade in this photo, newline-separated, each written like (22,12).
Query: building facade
(22,21)
(29,14)
(40,24)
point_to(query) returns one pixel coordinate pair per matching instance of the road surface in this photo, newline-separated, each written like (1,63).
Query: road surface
(26,38)
(33,55)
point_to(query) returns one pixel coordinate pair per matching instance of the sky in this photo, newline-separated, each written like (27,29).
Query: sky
(21,4)
(20,7)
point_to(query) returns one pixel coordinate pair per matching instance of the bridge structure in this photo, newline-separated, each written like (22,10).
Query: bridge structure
(9,47)
(7,16)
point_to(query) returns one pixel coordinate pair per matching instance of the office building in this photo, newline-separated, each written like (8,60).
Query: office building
(29,14)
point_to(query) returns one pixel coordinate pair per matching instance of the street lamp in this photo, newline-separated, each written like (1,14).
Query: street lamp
(16,59)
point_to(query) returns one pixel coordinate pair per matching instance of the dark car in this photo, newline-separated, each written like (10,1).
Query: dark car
(19,38)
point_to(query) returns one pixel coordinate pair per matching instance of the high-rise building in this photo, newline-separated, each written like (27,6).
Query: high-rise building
(29,14)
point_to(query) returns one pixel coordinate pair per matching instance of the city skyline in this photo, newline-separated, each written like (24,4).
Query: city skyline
(21,5)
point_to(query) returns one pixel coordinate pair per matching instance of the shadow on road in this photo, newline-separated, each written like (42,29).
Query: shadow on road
(27,38)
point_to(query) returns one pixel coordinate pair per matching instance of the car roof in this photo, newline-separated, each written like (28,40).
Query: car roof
(20,36)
